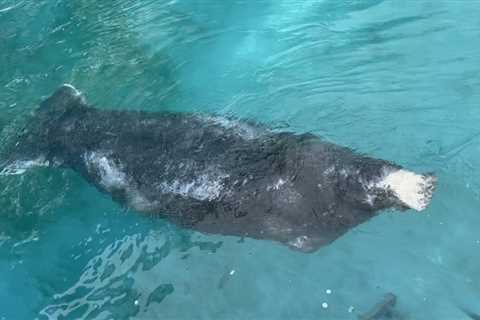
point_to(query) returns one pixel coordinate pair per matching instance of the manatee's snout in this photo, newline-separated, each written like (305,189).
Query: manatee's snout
(412,190)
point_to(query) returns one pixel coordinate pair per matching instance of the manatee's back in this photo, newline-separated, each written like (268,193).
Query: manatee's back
(164,158)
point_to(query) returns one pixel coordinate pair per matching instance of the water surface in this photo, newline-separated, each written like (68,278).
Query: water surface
(398,80)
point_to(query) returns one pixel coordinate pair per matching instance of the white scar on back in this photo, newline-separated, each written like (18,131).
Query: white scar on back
(414,190)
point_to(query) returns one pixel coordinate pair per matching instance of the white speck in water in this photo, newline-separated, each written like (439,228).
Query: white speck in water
(324,305)
(135,302)
(328,291)
(350,309)
(232,272)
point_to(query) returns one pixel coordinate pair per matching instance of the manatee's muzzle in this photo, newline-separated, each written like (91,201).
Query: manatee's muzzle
(413,190)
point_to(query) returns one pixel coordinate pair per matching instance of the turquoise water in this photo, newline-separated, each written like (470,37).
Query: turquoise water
(395,79)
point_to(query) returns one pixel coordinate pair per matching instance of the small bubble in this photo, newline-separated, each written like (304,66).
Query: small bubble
(324,305)
(135,302)
(350,309)
(328,291)
(232,272)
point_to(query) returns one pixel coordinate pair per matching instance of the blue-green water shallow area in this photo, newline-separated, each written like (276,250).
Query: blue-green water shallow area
(399,80)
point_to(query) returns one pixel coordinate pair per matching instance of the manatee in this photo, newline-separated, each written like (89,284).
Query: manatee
(214,174)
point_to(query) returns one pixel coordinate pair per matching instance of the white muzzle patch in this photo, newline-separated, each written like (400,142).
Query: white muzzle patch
(413,190)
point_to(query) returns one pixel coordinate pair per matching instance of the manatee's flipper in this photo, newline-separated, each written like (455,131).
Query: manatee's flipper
(32,146)
(470,314)
(383,309)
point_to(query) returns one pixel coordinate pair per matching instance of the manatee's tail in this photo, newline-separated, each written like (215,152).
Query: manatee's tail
(32,146)
(470,314)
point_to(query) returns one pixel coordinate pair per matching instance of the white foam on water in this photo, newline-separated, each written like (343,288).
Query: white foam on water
(370,199)
(139,202)
(77,93)
(111,174)
(21,166)
(299,242)
(329,170)
(11,7)
(203,187)
(112,177)
(280,182)
(241,129)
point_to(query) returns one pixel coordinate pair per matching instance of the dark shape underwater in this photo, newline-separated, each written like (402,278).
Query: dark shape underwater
(217,175)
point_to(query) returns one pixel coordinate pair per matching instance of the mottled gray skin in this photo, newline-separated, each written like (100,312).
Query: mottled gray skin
(291,188)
